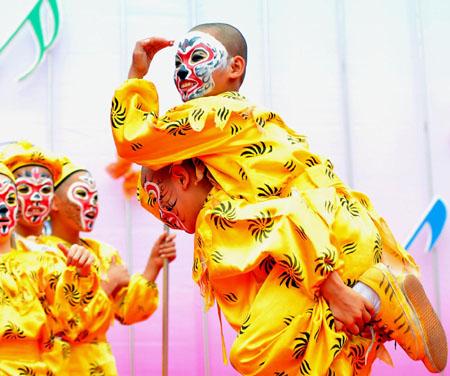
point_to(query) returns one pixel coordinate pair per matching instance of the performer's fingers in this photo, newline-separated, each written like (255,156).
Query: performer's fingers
(168,245)
(166,240)
(70,253)
(113,260)
(63,249)
(353,328)
(167,251)
(338,325)
(152,40)
(359,323)
(83,258)
(162,238)
(84,271)
(77,253)
(366,316)
(85,262)
(366,333)
(370,308)
(169,255)
(89,261)
(170,237)
(154,44)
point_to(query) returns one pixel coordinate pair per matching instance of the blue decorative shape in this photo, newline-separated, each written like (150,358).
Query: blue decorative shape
(435,217)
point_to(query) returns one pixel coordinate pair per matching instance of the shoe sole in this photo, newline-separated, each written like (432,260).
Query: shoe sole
(433,333)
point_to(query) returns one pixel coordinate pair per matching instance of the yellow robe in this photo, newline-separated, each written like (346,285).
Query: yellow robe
(37,293)
(90,352)
(277,222)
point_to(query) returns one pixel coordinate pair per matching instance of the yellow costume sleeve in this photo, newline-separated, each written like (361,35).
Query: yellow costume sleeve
(142,136)
(77,308)
(93,321)
(66,292)
(89,323)
(133,303)
(137,301)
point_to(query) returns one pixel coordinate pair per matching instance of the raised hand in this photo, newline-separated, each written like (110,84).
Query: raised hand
(164,248)
(143,54)
(79,257)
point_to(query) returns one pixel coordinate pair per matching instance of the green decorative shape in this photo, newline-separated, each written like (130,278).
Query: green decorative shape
(35,20)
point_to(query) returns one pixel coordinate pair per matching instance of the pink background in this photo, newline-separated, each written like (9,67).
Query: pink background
(367,81)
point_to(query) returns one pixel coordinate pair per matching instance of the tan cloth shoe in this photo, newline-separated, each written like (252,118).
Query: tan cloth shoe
(406,315)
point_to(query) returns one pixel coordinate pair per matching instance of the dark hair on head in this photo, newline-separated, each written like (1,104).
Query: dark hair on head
(194,165)
(229,36)
(164,172)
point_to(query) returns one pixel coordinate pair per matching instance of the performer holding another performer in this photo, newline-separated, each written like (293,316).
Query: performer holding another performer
(302,267)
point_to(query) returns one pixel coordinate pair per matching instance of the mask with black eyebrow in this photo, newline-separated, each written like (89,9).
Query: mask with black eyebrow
(198,56)
(155,192)
(35,193)
(83,193)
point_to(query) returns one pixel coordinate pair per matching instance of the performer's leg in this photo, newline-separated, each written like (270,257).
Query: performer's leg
(288,330)
(369,294)
(407,316)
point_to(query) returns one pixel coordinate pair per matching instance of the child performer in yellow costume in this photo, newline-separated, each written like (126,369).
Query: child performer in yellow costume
(279,239)
(131,298)
(34,286)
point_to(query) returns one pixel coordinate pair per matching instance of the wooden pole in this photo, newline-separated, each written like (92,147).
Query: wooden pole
(165,327)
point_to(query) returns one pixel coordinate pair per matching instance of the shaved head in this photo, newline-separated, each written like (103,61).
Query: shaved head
(229,36)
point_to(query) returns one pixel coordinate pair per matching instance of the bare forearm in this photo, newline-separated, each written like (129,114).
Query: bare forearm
(350,309)
(151,272)
(332,285)
(135,73)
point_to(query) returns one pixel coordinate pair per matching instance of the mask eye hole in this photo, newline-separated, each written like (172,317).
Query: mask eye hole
(47,189)
(198,56)
(81,193)
(169,206)
(95,198)
(177,61)
(11,199)
(23,189)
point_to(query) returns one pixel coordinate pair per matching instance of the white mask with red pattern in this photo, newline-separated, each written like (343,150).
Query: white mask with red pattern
(83,193)
(198,56)
(35,193)
(165,210)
